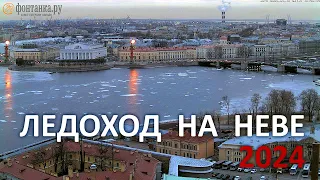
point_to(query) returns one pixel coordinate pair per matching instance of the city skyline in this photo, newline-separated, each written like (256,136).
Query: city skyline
(178,9)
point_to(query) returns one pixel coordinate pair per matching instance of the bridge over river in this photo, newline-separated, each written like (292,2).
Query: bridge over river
(284,67)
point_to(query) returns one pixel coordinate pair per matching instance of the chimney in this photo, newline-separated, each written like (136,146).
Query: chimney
(70,171)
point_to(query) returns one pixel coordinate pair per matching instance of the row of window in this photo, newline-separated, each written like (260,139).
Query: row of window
(29,57)
(155,57)
(182,145)
(237,153)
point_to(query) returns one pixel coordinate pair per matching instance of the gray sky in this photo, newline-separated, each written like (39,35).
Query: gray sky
(175,9)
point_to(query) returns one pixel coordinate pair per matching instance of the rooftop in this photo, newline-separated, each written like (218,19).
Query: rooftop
(177,161)
(174,135)
(143,165)
(148,49)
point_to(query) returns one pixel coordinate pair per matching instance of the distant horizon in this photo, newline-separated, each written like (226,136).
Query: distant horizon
(172,9)
(173,19)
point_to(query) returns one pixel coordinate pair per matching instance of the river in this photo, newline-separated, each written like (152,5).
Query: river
(167,91)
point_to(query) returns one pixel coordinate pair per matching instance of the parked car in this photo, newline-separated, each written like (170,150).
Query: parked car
(246,170)
(220,176)
(215,174)
(253,171)
(226,177)
(319,172)
(279,171)
(240,169)
(262,170)
(237,178)
(263,178)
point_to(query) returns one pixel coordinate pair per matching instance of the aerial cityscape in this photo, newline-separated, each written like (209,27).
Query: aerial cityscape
(149,58)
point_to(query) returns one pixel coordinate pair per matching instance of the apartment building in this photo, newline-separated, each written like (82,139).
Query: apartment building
(186,146)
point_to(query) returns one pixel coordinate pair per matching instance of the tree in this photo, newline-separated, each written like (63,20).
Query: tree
(226,104)
(218,53)
(218,115)
(309,102)
(279,102)
(103,150)
(40,157)
(255,102)
(210,53)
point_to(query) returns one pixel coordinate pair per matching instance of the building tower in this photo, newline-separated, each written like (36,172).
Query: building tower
(223,17)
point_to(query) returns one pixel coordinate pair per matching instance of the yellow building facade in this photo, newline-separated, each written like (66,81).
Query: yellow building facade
(158,54)
(187,146)
(37,54)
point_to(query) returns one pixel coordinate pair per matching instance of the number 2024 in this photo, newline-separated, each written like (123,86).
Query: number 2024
(295,158)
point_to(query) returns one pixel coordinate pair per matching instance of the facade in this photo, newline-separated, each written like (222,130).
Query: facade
(63,161)
(309,46)
(187,146)
(222,51)
(158,54)
(230,149)
(82,52)
(275,50)
(36,54)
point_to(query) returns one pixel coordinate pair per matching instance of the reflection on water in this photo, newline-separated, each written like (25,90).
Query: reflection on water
(133,90)
(8,94)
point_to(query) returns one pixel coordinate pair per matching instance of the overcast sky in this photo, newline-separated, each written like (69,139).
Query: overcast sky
(175,9)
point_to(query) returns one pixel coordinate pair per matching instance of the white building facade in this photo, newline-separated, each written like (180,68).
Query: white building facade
(82,52)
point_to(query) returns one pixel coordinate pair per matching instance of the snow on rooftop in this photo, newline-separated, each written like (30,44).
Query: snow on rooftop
(256,141)
(177,161)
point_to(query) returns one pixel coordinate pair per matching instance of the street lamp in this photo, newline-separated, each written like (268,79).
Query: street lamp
(132,42)
(6,50)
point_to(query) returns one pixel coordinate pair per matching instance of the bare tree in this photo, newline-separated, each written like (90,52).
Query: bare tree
(218,116)
(309,102)
(104,151)
(226,104)
(255,102)
(40,157)
(210,53)
(218,52)
(280,102)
